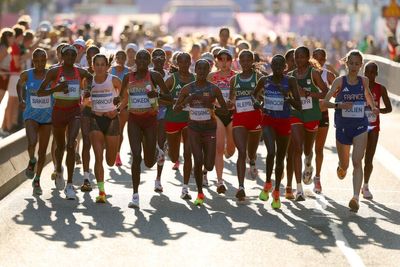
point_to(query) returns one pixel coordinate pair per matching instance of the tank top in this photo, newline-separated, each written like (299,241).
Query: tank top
(223,83)
(310,105)
(376,95)
(38,108)
(274,104)
(137,92)
(243,92)
(201,118)
(74,85)
(121,74)
(102,95)
(355,116)
(171,115)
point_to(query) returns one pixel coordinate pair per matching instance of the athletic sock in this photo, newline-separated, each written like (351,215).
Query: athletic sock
(299,187)
(100,185)
(86,175)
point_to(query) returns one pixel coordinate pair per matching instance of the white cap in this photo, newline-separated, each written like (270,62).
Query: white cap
(132,46)
(80,42)
(149,45)
(167,48)
(45,26)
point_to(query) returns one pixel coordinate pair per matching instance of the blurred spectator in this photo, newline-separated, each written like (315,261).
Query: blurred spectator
(6,41)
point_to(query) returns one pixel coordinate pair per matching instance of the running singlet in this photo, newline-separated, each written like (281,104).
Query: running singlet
(121,74)
(274,102)
(171,115)
(223,83)
(201,118)
(243,91)
(310,105)
(355,116)
(103,94)
(376,95)
(74,85)
(137,93)
(38,108)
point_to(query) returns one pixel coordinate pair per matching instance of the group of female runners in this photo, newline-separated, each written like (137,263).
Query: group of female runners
(210,112)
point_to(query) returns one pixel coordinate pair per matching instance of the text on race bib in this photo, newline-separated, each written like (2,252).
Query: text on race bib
(139,100)
(225,93)
(102,101)
(306,102)
(274,103)
(244,105)
(199,114)
(370,115)
(40,102)
(357,111)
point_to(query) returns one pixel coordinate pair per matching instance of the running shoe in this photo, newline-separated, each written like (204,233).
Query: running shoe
(86,186)
(199,200)
(157,186)
(366,193)
(276,202)
(353,205)
(176,166)
(205,179)
(118,161)
(289,193)
(101,198)
(221,189)
(264,195)
(185,193)
(135,201)
(253,172)
(30,170)
(78,159)
(59,181)
(37,190)
(300,196)
(240,194)
(341,173)
(160,157)
(307,173)
(70,192)
(317,185)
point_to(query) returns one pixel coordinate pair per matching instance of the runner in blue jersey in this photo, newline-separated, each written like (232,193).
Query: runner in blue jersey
(37,115)
(352,94)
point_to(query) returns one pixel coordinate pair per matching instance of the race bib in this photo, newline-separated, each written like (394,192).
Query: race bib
(103,101)
(244,105)
(370,115)
(225,93)
(357,111)
(274,103)
(73,92)
(139,101)
(306,102)
(40,102)
(199,114)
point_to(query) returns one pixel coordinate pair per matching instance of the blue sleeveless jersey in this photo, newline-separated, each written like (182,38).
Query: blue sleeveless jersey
(120,75)
(37,108)
(274,104)
(355,116)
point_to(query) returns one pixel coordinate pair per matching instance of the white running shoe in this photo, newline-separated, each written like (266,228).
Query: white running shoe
(70,192)
(135,201)
(157,186)
(59,181)
(160,157)
(307,173)
(366,193)
(253,172)
(300,196)
(185,193)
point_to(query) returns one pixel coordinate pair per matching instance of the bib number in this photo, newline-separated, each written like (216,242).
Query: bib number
(244,105)
(357,111)
(306,102)
(199,114)
(139,101)
(40,102)
(274,103)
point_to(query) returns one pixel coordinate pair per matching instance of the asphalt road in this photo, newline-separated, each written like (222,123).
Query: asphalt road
(168,231)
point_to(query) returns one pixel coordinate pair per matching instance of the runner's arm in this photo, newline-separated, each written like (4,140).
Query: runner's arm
(51,75)
(386,101)
(295,100)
